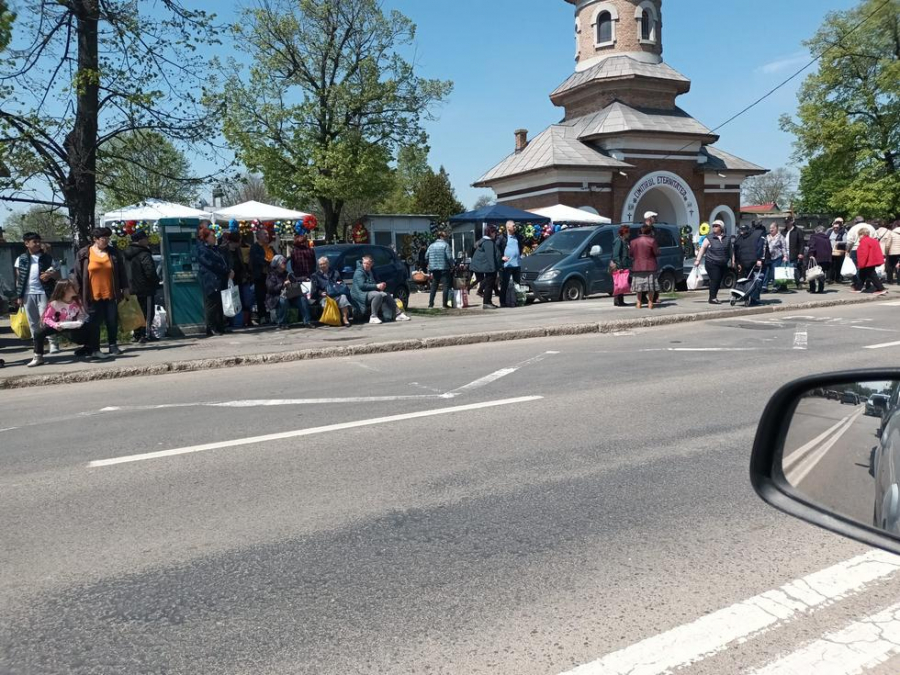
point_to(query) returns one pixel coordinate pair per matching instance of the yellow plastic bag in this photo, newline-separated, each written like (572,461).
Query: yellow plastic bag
(130,315)
(331,315)
(400,307)
(19,323)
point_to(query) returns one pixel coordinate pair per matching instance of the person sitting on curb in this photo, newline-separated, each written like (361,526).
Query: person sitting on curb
(64,314)
(277,285)
(367,294)
(327,283)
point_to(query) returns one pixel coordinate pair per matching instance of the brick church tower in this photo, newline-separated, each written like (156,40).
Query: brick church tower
(623,146)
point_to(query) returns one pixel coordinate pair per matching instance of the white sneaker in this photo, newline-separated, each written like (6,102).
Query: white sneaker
(100,356)
(54,348)
(374,319)
(38,360)
(402,317)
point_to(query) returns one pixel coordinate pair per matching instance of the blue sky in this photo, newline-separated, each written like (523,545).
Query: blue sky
(506,56)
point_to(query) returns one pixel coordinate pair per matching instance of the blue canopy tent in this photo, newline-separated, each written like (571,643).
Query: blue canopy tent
(468,227)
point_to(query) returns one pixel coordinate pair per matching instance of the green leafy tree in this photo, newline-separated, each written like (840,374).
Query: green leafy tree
(51,223)
(412,168)
(142,165)
(89,72)
(6,21)
(328,101)
(848,122)
(434,195)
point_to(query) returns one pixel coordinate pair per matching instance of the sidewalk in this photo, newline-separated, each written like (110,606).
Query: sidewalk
(425,331)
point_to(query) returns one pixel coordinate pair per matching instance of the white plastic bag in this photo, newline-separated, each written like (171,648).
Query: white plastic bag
(848,268)
(881,272)
(160,326)
(785,273)
(231,301)
(694,279)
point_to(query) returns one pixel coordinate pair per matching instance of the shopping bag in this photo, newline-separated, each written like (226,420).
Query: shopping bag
(620,282)
(521,295)
(160,326)
(848,268)
(231,301)
(881,272)
(400,306)
(460,298)
(694,280)
(785,273)
(19,324)
(331,315)
(814,273)
(510,299)
(130,315)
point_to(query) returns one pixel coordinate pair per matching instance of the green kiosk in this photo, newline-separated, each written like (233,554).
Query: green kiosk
(181,283)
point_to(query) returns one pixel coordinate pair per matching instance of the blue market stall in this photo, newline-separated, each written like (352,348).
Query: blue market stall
(468,227)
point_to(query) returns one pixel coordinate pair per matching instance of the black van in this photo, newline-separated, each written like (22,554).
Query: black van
(574,263)
(388,267)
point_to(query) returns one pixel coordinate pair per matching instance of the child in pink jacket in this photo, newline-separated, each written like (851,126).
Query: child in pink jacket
(64,314)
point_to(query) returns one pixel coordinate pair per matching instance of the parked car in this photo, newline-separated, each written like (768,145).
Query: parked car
(833,395)
(876,405)
(574,263)
(388,268)
(849,397)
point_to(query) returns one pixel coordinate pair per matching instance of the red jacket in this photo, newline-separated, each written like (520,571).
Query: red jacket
(869,253)
(645,251)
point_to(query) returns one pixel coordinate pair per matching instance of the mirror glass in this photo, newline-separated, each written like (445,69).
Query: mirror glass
(842,451)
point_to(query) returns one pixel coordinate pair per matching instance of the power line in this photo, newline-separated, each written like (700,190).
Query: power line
(792,77)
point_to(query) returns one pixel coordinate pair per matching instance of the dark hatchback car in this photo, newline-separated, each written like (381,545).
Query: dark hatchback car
(574,263)
(388,267)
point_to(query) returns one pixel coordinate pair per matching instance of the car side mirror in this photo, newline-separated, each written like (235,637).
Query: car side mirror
(827,451)
(596,251)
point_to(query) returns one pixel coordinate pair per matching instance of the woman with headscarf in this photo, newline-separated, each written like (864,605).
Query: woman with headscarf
(621,259)
(645,252)
(279,285)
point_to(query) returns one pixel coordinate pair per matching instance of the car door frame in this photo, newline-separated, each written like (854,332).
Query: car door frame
(596,270)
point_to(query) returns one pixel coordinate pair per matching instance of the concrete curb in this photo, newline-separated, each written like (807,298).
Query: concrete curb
(604,327)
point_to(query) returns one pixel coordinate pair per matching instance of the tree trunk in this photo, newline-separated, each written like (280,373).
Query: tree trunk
(80,191)
(332,213)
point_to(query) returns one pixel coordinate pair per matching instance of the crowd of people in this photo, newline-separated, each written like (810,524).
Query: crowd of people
(83,304)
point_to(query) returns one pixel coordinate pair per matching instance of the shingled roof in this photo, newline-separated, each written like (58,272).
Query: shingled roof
(622,67)
(719,160)
(557,146)
(618,118)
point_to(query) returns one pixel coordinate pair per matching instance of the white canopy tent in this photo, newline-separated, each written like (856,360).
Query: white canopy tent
(257,211)
(567,214)
(154,210)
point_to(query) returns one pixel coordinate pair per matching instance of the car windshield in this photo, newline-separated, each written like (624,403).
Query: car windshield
(563,242)
(331,253)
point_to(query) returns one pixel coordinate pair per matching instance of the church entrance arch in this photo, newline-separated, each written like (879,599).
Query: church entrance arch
(666,194)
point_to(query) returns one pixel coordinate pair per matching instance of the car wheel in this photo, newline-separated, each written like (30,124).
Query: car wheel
(729,280)
(667,282)
(402,294)
(573,290)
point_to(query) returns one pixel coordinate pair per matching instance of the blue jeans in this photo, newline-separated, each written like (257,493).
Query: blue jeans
(299,303)
(770,271)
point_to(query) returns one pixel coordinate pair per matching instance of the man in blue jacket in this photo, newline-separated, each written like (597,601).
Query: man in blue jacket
(367,293)
(440,262)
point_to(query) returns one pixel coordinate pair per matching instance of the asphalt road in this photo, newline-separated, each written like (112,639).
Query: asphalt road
(526,507)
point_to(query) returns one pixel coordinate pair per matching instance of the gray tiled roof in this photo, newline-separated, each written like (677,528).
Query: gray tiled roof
(618,118)
(719,160)
(621,67)
(555,146)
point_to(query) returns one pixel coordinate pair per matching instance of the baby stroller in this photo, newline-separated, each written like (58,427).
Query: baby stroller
(747,290)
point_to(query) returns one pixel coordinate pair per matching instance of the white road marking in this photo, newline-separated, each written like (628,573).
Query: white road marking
(8,429)
(883,330)
(894,303)
(805,467)
(254,440)
(714,632)
(882,346)
(266,403)
(860,646)
(801,339)
(496,375)
(701,349)
(798,454)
